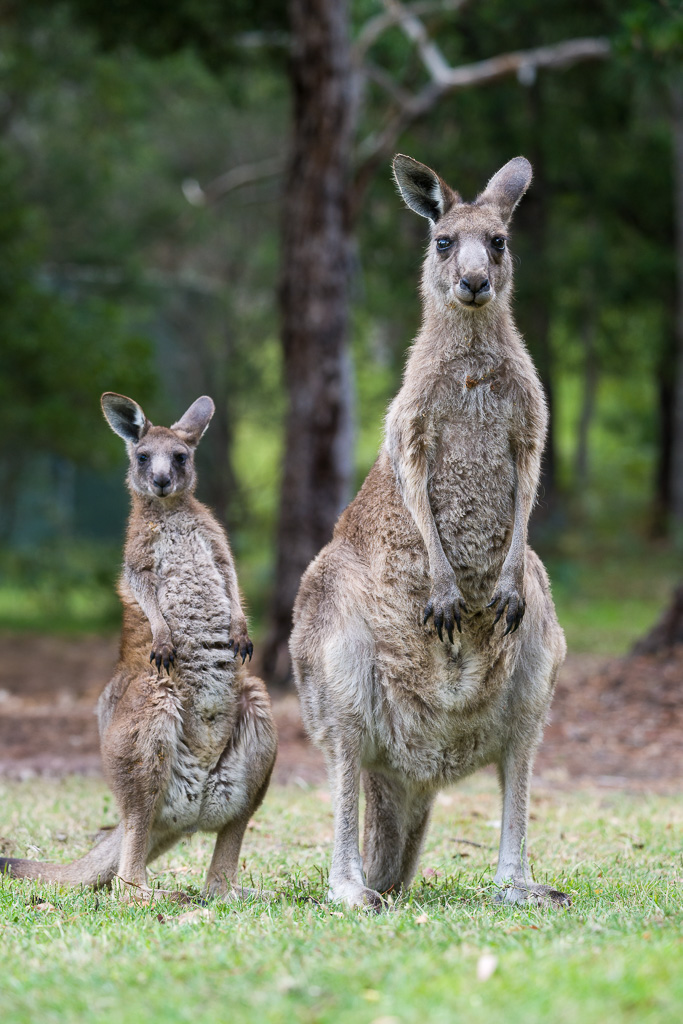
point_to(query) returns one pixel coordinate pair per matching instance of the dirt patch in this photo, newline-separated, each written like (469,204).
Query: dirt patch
(619,721)
(615,722)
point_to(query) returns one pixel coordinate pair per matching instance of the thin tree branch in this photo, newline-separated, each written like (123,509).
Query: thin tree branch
(445,79)
(236,177)
(100,277)
(394,15)
(401,97)
(558,55)
(431,55)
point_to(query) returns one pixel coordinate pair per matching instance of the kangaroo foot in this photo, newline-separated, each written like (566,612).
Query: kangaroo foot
(351,894)
(533,895)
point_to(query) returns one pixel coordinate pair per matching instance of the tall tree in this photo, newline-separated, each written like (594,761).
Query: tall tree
(314,303)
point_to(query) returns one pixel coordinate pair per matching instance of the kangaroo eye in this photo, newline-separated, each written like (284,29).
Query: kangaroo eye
(181,458)
(142,458)
(444,243)
(498,242)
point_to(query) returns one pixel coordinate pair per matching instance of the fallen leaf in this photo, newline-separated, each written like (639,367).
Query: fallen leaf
(372,995)
(486,965)
(194,916)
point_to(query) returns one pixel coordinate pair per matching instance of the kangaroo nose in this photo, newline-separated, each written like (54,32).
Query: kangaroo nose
(475,283)
(161,481)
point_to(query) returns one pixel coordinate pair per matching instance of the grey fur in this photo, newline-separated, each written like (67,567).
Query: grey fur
(187,735)
(437,534)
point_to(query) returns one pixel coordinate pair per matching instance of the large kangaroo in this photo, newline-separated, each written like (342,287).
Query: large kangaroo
(187,735)
(437,539)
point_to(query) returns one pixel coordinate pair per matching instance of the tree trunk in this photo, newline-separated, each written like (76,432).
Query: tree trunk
(535,314)
(668,631)
(590,387)
(314,285)
(661,518)
(677,440)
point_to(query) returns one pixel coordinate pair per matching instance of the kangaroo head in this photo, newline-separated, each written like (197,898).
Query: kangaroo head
(468,264)
(161,458)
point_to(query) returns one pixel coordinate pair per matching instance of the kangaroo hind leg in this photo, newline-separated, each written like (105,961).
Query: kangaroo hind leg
(237,786)
(138,752)
(396,820)
(513,875)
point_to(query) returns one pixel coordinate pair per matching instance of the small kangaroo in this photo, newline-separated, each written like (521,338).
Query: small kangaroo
(187,735)
(401,669)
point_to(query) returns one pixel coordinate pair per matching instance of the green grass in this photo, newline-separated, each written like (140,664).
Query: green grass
(616,956)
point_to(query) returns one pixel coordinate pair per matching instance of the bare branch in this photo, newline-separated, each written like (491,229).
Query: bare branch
(99,277)
(445,79)
(431,55)
(263,40)
(236,177)
(401,97)
(558,55)
(394,15)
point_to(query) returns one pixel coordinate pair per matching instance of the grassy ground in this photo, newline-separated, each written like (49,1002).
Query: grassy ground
(617,955)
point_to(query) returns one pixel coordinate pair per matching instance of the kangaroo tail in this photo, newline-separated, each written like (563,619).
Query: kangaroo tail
(97,867)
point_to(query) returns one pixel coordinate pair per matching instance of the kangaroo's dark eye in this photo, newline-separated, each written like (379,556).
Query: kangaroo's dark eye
(181,458)
(142,458)
(498,243)
(444,243)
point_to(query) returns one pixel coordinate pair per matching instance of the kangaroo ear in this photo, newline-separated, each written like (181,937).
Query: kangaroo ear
(508,185)
(124,416)
(422,188)
(191,426)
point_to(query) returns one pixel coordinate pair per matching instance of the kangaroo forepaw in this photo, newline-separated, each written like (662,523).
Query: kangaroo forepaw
(163,653)
(511,599)
(446,604)
(242,645)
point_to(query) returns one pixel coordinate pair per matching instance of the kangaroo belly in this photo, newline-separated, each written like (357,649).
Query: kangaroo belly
(195,763)
(447,723)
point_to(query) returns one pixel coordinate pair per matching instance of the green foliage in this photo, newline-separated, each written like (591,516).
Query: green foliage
(206,27)
(60,587)
(616,955)
(110,279)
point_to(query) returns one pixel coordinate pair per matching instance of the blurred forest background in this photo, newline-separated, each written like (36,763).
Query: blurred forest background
(176,179)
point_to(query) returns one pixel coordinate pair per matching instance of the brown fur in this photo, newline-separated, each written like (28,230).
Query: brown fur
(187,735)
(388,685)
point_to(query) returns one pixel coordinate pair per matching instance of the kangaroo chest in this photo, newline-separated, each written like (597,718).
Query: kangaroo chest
(472,478)
(194,601)
(191,590)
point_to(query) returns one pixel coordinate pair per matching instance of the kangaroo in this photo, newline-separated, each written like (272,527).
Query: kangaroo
(187,735)
(401,668)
